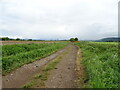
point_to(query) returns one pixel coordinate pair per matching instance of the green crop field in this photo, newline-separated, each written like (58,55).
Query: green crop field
(105,42)
(101,64)
(100,59)
(14,56)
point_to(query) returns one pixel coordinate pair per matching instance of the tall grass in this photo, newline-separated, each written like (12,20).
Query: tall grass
(101,64)
(19,58)
(8,50)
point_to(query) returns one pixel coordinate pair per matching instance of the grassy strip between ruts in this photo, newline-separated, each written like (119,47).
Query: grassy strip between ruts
(10,63)
(38,80)
(101,64)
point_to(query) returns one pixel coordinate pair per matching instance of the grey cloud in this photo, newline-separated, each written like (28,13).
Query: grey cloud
(51,19)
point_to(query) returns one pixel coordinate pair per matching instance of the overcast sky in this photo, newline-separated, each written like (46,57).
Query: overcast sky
(59,19)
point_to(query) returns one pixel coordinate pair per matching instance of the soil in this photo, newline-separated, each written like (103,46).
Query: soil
(64,75)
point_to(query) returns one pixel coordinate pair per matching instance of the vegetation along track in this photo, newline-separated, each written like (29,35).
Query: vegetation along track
(15,56)
(66,68)
(101,62)
(63,75)
(23,74)
(55,71)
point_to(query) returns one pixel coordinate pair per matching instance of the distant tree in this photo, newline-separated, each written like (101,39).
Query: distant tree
(76,39)
(17,39)
(29,39)
(5,38)
(72,39)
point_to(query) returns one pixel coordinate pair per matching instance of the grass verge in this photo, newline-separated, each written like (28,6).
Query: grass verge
(101,64)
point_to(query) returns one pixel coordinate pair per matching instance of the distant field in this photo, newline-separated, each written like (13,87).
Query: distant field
(105,42)
(101,64)
(25,42)
(17,55)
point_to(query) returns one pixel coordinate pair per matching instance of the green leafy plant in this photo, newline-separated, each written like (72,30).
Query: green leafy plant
(101,64)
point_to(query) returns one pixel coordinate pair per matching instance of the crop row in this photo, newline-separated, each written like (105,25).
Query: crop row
(23,56)
(8,50)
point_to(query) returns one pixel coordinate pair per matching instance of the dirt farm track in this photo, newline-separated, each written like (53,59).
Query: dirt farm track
(63,76)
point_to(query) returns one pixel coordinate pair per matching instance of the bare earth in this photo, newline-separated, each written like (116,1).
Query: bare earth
(64,76)
(22,75)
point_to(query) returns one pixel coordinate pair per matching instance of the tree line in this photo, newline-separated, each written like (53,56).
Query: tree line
(18,39)
(73,39)
(10,39)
